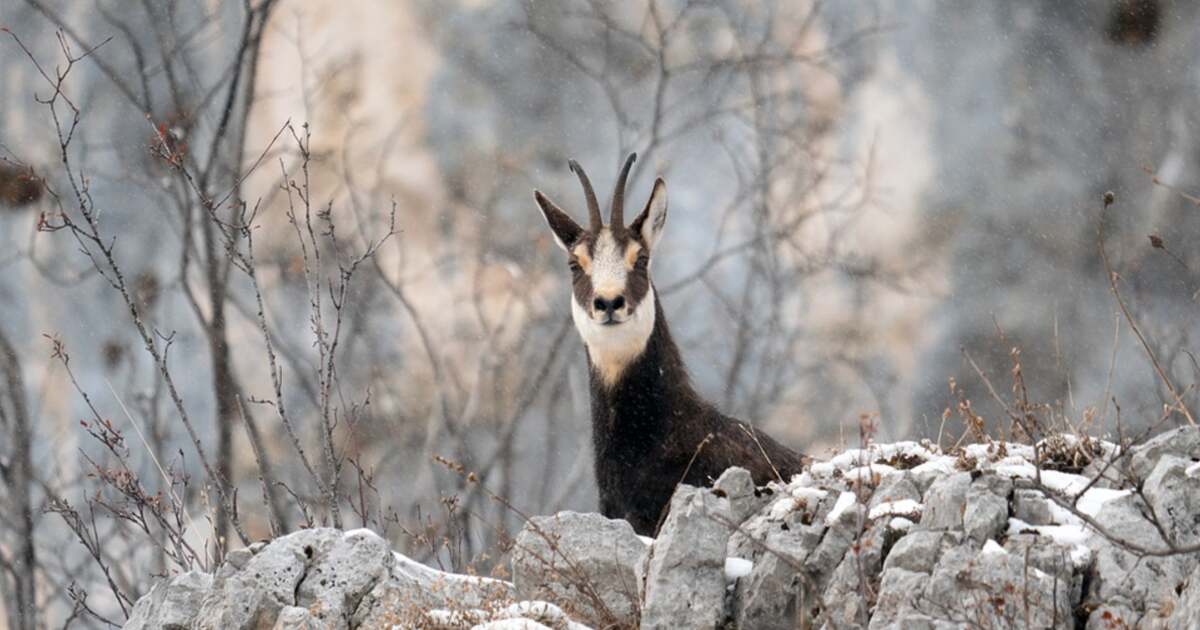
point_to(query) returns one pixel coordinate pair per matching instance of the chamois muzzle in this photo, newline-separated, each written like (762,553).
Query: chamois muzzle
(609,309)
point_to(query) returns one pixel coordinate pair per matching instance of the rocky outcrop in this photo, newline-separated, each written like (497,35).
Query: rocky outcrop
(685,581)
(906,536)
(326,578)
(887,537)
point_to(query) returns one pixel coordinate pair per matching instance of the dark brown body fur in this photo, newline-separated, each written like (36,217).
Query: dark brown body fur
(648,427)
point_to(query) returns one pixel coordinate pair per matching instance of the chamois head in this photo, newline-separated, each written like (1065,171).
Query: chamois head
(612,300)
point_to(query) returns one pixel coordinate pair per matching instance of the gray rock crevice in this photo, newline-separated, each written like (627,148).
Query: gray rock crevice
(304,569)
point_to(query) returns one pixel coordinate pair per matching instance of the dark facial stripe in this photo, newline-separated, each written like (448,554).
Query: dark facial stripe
(581,285)
(637,283)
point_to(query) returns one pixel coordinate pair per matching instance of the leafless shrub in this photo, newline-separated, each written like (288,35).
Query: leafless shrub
(125,502)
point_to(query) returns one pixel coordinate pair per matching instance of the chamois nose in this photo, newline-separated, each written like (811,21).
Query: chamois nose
(608,306)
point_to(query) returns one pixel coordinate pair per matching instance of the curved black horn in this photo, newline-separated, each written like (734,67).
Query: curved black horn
(616,217)
(594,217)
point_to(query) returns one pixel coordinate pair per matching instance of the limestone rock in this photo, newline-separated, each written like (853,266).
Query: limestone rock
(845,602)
(1183,442)
(313,579)
(897,599)
(918,551)
(251,597)
(296,618)
(171,604)
(1031,506)
(1119,574)
(995,588)
(685,580)
(985,515)
(737,486)
(895,489)
(946,501)
(1186,612)
(805,554)
(1174,496)
(584,563)
(1114,615)
(771,595)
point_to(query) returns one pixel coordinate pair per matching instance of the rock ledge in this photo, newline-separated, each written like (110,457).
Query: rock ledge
(887,537)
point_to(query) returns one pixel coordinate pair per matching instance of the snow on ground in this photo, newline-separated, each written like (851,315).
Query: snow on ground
(875,453)
(783,507)
(1073,536)
(1006,458)
(937,466)
(422,573)
(1095,498)
(519,616)
(1193,470)
(360,532)
(844,501)
(811,495)
(737,568)
(992,547)
(988,451)
(1077,488)
(511,624)
(870,473)
(877,462)
(906,507)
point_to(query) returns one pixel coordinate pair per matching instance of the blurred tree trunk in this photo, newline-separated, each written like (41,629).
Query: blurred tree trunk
(225,394)
(17,474)
(230,145)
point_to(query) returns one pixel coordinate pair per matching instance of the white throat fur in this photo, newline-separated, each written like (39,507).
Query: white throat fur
(612,348)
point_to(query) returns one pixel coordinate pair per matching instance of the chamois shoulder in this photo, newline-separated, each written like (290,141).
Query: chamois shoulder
(737,443)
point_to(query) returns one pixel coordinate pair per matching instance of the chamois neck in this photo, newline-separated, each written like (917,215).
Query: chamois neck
(654,379)
(613,349)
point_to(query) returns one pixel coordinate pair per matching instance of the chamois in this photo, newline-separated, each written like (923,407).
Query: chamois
(650,428)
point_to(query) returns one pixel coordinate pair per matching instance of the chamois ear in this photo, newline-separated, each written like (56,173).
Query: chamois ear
(649,224)
(566,230)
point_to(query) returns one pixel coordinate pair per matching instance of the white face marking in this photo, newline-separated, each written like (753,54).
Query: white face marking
(608,267)
(612,348)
